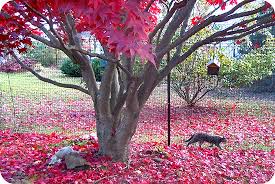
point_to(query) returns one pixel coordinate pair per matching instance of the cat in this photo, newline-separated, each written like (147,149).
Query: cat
(201,137)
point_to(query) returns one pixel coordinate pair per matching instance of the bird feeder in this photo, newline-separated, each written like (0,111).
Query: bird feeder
(213,67)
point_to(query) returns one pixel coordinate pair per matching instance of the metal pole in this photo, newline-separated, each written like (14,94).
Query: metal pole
(56,52)
(168,103)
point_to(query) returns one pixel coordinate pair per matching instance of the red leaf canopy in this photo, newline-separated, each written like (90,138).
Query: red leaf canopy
(122,26)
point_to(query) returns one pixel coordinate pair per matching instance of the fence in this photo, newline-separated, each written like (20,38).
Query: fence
(30,105)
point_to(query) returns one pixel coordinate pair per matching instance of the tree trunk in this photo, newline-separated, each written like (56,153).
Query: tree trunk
(114,135)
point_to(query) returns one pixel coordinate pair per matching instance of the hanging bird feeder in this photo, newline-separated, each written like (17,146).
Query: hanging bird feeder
(213,67)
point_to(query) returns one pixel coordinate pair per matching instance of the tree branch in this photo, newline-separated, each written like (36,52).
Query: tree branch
(213,11)
(43,40)
(195,29)
(37,12)
(244,22)
(149,5)
(106,86)
(114,89)
(266,20)
(69,21)
(221,39)
(49,21)
(213,38)
(242,14)
(162,28)
(207,91)
(111,60)
(167,18)
(39,25)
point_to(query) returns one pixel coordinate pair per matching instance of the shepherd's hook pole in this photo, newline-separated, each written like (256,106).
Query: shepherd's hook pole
(168,102)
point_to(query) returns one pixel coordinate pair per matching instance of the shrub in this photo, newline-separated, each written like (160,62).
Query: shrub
(70,69)
(190,80)
(42,54)
(11,66)
(73,70)
(254,66)
(98,68)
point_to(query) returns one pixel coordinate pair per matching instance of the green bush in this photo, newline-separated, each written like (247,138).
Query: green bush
(70,69)
(73,70)
(254,66)
(42,54)
(98,69)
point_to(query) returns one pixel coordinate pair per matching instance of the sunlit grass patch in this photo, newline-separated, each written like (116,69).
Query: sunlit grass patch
(27,85)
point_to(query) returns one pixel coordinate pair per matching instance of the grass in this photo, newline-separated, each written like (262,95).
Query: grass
(21,92)
(27,85)
(249,107)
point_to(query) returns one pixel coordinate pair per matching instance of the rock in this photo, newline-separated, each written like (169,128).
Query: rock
(60,154)
(73,160)
(54,160)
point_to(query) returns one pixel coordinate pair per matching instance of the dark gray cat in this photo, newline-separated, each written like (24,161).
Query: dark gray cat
(201,137)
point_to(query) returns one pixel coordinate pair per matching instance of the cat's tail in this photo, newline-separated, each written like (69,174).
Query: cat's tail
(189,138)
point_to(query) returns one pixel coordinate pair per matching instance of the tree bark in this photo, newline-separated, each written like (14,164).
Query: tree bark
(114,135)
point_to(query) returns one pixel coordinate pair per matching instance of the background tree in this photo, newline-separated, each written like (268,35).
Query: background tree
(43,54)
(127,30)
(254,66)
(190,79)
(257,39)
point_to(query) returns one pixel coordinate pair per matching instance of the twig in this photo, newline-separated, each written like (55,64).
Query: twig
(149,5)
(105,177)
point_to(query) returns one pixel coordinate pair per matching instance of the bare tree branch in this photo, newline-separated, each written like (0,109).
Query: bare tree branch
(245,22)
(213,38)
(167,18)
(211,19)
(43,40)
(167,11)
(149,5)
(242,14)
(222,39)
(208,90)
(101,57)
(259,21)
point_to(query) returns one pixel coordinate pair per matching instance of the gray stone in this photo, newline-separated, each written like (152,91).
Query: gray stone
(73,160)
(60,154)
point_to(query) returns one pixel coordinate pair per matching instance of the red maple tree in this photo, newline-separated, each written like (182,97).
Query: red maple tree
(128,30)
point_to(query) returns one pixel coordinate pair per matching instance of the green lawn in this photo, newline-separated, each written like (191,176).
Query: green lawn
(27,85)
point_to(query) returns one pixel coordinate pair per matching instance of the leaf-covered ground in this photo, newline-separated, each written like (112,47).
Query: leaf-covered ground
(247,157)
